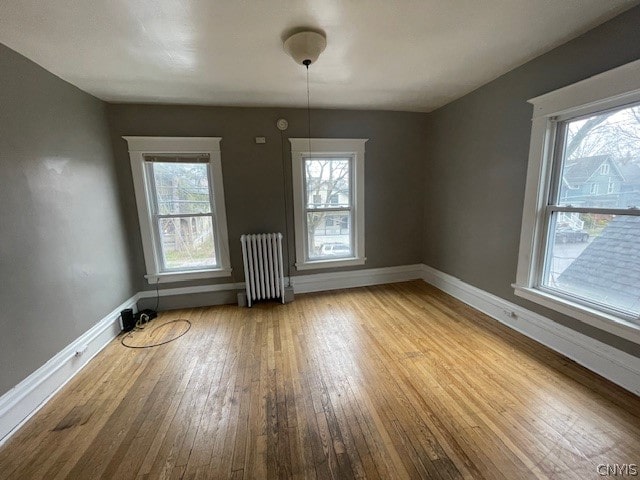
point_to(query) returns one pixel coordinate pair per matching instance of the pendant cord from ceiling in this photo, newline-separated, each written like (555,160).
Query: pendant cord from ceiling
(306,64)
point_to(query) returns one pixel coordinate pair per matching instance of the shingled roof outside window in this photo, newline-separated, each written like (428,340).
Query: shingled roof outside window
(608,270)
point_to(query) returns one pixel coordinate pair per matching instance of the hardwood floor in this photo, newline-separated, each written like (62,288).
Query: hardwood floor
(393,381)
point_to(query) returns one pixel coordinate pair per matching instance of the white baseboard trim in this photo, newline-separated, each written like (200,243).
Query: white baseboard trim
(319,282)
(169,292)
(314,282)
(25,399)
(609,362)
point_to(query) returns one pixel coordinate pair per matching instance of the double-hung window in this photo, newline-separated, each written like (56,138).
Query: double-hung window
(180,199)
(328,186)
(580,241)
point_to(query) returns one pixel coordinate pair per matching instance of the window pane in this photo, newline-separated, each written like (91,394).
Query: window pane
(597,258)
(329,235)
(601,160)
(328,182)
(187,242)
(181,187)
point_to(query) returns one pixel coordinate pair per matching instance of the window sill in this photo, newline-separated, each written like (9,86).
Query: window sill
(604,321)
(339,262)
(171,277)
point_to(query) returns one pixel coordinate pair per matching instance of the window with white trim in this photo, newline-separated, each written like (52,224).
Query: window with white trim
(180,199)
(580,241)
(328,187)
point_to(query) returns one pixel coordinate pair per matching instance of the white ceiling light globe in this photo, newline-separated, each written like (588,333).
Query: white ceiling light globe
(305,47)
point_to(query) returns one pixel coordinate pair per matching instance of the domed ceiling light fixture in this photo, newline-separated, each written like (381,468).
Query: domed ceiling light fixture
(305,47)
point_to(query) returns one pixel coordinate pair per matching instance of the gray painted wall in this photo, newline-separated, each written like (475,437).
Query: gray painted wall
(256,186)
(477,162)
(63,262)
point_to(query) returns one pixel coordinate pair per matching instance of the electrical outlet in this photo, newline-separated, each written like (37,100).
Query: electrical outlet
(261,140)
(81,350)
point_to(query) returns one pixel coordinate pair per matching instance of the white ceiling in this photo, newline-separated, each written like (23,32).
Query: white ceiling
(411,55)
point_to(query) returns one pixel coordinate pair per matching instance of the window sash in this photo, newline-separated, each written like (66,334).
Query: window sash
(352,243)
(152,193)
(350,209)
(305,190)
(547,246)
(158,239)
(557,128)
(152,196)
(558,132)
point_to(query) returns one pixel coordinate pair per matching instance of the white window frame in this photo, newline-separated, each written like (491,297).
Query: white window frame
(353,148)
(611,187)
(593,190)
(611,89)
(141,146)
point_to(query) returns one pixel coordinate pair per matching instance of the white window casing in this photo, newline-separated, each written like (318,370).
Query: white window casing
(139,147)
(305,148)
(615,88)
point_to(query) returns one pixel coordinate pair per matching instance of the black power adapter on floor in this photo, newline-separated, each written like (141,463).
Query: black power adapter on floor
(129,320)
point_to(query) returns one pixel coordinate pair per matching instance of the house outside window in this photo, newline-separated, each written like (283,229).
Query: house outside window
(579,246)
(180,199)
(582,178)
(328,183)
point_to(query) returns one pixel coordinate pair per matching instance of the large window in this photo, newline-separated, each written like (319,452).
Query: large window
(328,182)
(178,184)
(593,244)
(580,243)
